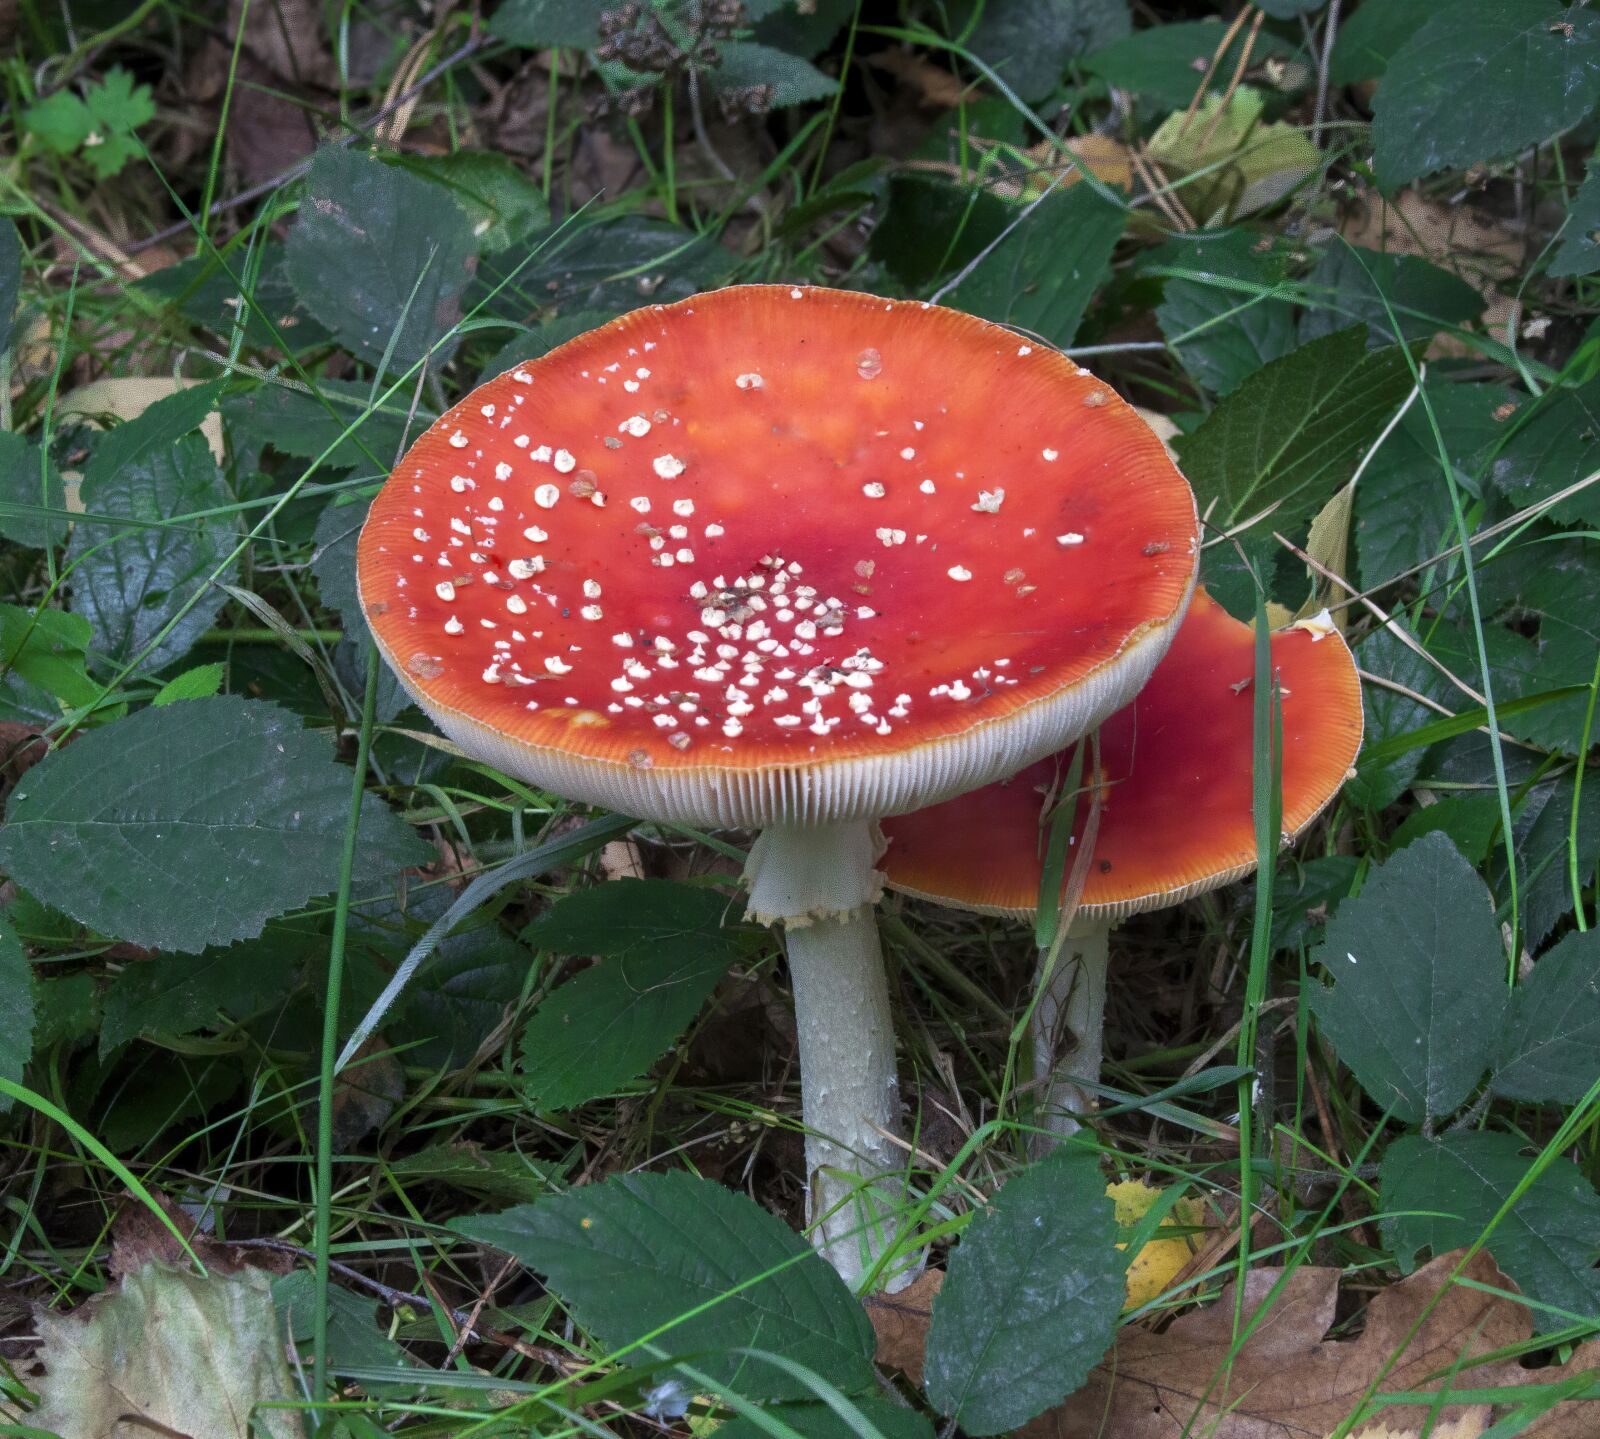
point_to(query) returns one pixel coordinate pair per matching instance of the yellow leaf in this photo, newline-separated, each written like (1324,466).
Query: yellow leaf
(1158,1263)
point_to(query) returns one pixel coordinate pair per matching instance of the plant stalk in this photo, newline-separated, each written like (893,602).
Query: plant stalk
(1068,1029)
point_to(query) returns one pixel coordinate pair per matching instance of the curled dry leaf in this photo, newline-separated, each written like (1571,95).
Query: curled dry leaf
(138,1238)
(1289,1381)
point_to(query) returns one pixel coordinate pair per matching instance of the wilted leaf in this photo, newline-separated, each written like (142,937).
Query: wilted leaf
(1164,1254)
(1419,981)
(1439,1194)
(167,1352)
(1030,1299)
(1288,1380)
(1482,79)
(1238,163)
(639,1252)
(201,821)
(378,253)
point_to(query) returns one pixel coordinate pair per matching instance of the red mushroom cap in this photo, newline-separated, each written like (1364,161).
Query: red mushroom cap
(1176,813)
(779,555)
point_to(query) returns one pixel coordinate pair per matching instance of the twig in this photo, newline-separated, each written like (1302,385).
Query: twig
(1211,70)
(1233,84)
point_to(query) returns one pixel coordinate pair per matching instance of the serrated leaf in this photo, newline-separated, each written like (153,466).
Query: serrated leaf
(197,684)
(1352,283)
(891,1420)
(209,1362)
(1029,43)
(377,253)
(1483,79)
(333,561)
(61,122)
(129,583)
(200,822)
(155,429)
(1419,982)
(1292,433)
(538,24)
(10,279)
(1040,276)
(640,1252)
(1222,332)
(1370,34)
(494,1173)
(356,1340)
(16,1009)
(1164,63)
(47,648)
(1547,1244)
(297,423)
(1030,1300)
(1555,445)
(28,477)
(792,81)
(1550,1050)
(1579,252)
(531,344)
(502,201)
(666,950)
(240,284)
(186,993)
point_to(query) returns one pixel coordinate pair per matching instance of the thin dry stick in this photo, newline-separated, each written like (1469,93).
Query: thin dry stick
(1330,1138)
(1211,69)
(1238,75)
(1157,187)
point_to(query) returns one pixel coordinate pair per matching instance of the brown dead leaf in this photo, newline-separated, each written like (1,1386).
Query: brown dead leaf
(901,1323)
(936,87)
(1289,1381)
(366,1092)
(1573,1419)
(139,1238)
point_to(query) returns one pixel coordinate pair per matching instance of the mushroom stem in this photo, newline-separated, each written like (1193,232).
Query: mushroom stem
(819,881)
(1068,1025)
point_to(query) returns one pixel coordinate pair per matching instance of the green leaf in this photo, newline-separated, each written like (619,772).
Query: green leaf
(65,1010)
(356,1340)
(186,993)
(158,428)
(793,81)
(1403,515)
(60,122)
(493,1173)
(1370,34)
(1579,253)
(1547,1244)
(1542,827)
(1419,982)
(117,107)
(1029,43)
(1041,275)
(1550,1050)
(539,24)
(333,561)
(1388,714)
(503,202)
(1292,433)
(1352,283)
(533,343)
(200,683)
(1164,63)
(639,1252)
(892,1420)
(28,477)
(10,281)
(47,648)
(805,32)
(1223,333)
(199,821)
(128,583)
(1030,1299)
(295,422)
(379,254)
(1556,444)
(1483,79)
(665,950)
(16,1008)
(607,267)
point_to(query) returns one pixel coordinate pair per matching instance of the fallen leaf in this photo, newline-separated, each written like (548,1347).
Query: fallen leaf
(1289,1381)
(166,1352)
(1160,1261)
(366,1092)
(1239,164)
(936,87)
(139,1238)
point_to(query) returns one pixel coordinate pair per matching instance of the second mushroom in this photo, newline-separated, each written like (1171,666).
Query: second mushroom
(1176,817)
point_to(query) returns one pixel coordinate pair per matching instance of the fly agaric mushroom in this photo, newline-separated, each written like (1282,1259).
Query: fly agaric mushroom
(1176,815)
(793,559)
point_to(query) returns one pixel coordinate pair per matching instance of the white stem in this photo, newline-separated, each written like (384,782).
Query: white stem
(1068,1028)
(820,882)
